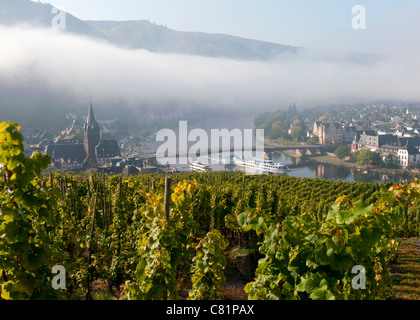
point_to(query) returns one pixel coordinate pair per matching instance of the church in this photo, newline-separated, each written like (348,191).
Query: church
(92,154)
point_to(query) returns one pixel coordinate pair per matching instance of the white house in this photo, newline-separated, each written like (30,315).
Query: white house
(408,155)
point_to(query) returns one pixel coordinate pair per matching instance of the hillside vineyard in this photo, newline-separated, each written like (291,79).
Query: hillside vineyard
(149,232)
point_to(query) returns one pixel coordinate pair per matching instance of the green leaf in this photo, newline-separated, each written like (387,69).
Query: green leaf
(362,207)
(140,270)
(15,151)
(248,287)
(3,126)
(6,289)
(332,214)
(14,163)
(309,283)
(322,294)
(348,216)
(243,219)
(11,230)
(345,217)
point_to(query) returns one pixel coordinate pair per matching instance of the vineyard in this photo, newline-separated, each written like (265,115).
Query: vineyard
(149,234)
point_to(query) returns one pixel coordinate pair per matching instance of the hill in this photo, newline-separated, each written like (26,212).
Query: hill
(143,34)
(146,35)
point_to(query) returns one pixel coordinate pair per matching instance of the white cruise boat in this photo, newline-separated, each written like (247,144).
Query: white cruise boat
(266,166)
(199,167)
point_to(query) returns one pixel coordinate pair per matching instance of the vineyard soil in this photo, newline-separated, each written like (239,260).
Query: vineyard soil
(406,272)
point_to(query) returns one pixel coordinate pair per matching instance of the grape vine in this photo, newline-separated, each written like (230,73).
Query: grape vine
(310,233)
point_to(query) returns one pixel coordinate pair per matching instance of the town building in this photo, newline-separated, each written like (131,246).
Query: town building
(92,138)
(67,153)
(404,148)
(107,150)
(329,132)
(350,133)
(408,155)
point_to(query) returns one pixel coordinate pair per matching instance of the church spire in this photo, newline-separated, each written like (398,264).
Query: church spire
(92,137)
(91,121)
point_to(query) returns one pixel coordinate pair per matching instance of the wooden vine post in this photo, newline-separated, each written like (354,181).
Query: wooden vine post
(167,197)
(243,188)
(166,210)
(90,251)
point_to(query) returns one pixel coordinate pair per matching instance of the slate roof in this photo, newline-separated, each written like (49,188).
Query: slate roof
(77,152)
(130,170)
(378,140)
(73,152)
(412,150)
(369,132)
(350,129)
(327,125)
(107,149)
(386,139)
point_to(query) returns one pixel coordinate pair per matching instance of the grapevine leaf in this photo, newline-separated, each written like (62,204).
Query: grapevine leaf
(322,294)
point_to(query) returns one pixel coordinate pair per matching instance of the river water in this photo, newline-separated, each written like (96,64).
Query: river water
(311,169)
(298,167)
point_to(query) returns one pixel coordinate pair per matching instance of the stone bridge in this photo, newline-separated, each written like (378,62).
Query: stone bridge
(301,150)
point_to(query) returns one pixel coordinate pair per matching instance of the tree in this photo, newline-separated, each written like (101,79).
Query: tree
(362,157)
(342,152)
(313,140)
(376,159)
(367,157)
(278,130)
(298,134)
(331,147)
(391,160)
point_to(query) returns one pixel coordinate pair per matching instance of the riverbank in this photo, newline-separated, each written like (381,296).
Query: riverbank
(338,162)
(329,159)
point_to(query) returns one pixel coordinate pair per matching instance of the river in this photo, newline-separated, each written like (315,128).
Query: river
(298,167)
(311,169)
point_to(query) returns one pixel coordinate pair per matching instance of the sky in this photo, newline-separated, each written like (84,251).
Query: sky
(317,24)
(82,69)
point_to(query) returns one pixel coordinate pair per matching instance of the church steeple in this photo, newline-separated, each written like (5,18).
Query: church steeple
(91,121)
(91,140)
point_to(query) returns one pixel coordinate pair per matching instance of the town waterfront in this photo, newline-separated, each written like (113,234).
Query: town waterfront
(312,168)
(308,168)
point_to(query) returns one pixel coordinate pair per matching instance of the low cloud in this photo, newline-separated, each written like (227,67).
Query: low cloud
(86,69)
